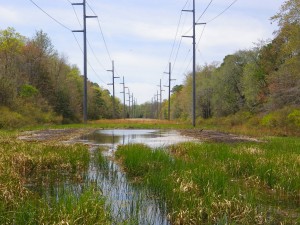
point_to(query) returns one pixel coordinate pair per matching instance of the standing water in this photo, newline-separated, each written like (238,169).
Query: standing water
(128,202)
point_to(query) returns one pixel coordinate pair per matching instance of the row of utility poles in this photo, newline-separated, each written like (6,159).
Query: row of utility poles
(157,99)
(133,102)
(131,99)
(193,36)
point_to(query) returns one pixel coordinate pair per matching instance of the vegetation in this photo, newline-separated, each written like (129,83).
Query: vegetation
(33,190)
(253,183)
(38,86)
(260,85)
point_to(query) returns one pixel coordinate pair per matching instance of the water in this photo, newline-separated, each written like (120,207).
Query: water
(152,138)
(126,200)
(128,203)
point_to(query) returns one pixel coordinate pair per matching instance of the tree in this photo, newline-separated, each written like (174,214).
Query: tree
(284,82)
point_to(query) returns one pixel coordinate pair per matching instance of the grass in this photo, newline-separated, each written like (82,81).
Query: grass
(26,167)
(250,183)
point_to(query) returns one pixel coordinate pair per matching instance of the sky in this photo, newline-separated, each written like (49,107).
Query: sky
(142,37)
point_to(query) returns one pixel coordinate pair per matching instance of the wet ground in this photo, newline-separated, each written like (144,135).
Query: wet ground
(216,136)
(124,199)
(71,134)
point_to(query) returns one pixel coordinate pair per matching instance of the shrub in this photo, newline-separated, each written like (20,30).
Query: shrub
(10,119)
(294,118)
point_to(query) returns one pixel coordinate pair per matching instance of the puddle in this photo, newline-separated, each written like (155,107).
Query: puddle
(152,138)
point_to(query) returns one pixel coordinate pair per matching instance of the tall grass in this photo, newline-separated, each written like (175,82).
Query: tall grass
(219,183)
(26,168)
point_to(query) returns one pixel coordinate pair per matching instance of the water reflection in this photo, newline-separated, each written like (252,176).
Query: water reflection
(127,202)
(153,138)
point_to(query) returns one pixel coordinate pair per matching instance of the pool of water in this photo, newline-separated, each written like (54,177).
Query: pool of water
(153,138)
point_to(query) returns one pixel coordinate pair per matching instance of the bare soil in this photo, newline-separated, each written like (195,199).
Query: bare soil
(54,134)
(216,136)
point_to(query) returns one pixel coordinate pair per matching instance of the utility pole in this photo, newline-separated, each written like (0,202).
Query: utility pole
(132,105)
(84,58)
(160,97)
(123,92)
(194,59)
(157,105)
(129,101)
(113,84)
(169,86)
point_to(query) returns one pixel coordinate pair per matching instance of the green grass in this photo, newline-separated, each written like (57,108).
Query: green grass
(88,208)
(252,183)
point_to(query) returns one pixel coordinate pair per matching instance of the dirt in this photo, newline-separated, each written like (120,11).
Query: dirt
(216,136)
(71,134)
(54,134)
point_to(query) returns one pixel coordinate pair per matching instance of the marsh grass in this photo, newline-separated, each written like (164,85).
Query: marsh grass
(26,168)
(250,183)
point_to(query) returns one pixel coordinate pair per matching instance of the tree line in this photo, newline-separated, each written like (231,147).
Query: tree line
(264,80)
(39,86)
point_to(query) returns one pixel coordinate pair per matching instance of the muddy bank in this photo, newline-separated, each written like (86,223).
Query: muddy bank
(58,135)
(216,136)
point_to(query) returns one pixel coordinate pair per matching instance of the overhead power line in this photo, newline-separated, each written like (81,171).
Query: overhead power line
(204,11)
(92,50)
(222,12)
(101,31)
(61,24)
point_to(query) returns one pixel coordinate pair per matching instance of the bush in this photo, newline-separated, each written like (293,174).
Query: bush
(294,118)
(10,119)
(286,117)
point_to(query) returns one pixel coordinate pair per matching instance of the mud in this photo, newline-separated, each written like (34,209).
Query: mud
(216,136)
(58,135)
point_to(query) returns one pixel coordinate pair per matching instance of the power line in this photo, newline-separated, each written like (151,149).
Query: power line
(64,26)
(202,14)
(196,47)
(75,13)
(222,12)
(176,54)
(204,11)
(95,56)
(99,25)
(177,29)
(93,52)
(175,38)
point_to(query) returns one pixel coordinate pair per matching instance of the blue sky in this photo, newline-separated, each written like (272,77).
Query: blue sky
(140,35)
